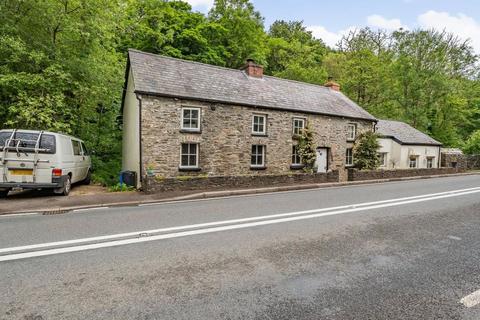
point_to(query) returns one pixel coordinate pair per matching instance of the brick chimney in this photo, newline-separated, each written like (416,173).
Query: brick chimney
(252,69)
(332,84)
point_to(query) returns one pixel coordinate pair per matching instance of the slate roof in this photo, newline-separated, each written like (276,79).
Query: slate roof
(165,76)
(404,133)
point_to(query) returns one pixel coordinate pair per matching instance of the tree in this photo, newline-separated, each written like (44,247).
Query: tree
(306,149)
(472,145)
(171,28)
(59,69)
(365,151)
(245,37)
(295,54)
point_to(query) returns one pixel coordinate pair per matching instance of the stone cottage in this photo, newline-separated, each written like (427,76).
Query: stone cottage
(187,119)
(404,147)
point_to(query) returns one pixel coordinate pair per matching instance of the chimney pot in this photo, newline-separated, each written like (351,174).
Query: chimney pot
(252,69)
(332,85)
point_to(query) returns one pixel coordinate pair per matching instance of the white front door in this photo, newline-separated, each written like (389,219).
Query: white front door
(322,157)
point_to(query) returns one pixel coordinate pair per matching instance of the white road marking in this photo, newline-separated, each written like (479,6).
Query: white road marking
(116,243)
(218,223)
(454,238)
(276,193)
(89,209)
(18,214)
(471,300)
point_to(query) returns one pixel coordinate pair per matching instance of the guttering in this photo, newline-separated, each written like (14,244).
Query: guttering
(165,95)
(139,98)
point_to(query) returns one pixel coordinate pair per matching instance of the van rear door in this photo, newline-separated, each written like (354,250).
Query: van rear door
(17,164)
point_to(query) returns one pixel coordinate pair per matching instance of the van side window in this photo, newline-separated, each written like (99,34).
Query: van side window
(85,151)
(76,148)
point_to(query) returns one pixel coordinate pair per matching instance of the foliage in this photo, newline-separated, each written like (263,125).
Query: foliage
(62,65)
(245,36)
(120,188)
(426,78)
(472,145)
(59,70)
(365,151)
(172,29)
(295,54)
(307,149)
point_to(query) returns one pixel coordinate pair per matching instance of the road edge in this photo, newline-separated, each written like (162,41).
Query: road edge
(223,194)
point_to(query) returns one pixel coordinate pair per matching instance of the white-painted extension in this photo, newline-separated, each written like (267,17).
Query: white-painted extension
(15,253)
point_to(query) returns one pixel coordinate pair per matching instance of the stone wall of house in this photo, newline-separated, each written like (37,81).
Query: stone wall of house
(191,183)
(360,175)
(225,140)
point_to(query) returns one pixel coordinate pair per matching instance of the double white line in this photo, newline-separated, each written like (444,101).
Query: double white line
(51,248)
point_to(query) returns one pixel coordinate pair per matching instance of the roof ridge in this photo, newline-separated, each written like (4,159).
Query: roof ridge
(237,87)
(184,60)
(229,69)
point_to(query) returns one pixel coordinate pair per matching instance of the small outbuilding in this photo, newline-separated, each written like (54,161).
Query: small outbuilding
(404,147)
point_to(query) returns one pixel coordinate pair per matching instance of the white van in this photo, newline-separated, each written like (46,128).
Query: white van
(40,160)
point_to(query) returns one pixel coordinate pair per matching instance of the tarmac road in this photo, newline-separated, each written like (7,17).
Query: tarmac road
(402,250)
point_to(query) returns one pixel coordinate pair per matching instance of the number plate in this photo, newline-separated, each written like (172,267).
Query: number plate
(21,172)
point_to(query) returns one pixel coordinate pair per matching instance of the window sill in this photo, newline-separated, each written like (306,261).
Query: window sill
(259,135)
(258,168)
(297,166)
(189,169)
(190,131)
(349,166)
(296,137)
(351,140)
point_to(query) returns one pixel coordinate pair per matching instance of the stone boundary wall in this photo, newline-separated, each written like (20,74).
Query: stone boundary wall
(462,161)
(359,175)
(206,183)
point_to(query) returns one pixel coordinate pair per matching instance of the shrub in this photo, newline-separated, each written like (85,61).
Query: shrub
(365,151)
(120,188)
(106,172)
(307,150)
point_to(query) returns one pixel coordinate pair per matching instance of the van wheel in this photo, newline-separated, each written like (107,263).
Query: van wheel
(88,179)
(4,193)
(67,186)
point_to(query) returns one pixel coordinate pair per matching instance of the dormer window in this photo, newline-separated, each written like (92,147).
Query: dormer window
(190,119)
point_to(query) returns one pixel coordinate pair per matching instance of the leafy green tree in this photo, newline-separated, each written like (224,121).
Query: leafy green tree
(365,151)
(245,36)
(59,69)
(295,54)
(472,145)
(307,150)
(171,28)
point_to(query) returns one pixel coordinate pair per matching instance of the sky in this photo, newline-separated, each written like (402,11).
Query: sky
(330,19)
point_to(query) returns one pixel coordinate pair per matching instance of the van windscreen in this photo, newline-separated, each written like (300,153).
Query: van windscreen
(28,140)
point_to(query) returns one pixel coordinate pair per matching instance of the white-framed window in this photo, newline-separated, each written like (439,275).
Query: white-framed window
(349,157)
(190,119)
(382,159)
(296,158)
(413,162)
(351,131)
(258,156)
(189,156)
(430,161)
(298,126)
(259,124)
